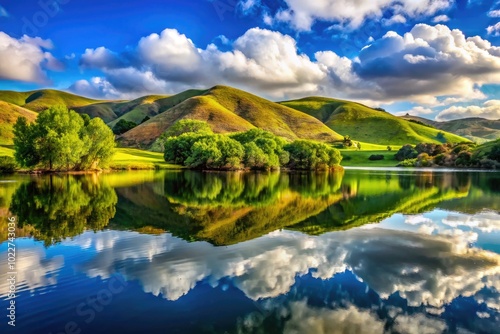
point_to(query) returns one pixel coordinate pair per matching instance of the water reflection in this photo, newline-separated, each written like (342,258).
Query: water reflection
(425,257)
(367,280)
(429,270)
(57,207)
(228,208)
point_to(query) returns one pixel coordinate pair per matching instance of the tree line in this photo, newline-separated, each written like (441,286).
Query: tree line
(192,144)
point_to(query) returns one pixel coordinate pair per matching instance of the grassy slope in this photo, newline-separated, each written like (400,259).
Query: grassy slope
(475,129)
(151,105)
(229,110)
(40,100)
(366,124)
(9,114)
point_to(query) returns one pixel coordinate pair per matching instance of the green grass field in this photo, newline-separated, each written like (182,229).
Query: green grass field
(352,158)
(125,159)
(131,158)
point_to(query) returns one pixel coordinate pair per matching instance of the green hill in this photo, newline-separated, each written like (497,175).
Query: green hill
(39,100)
(8,116)
(476,129)
(151,105)
(230,110)
(366,124)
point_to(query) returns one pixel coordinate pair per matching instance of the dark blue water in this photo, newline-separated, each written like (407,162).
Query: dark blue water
(383,253)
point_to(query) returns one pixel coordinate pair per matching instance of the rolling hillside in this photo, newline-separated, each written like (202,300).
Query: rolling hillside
(40,100)
(8,116)
(476,129)
(150,105)
(229,110)
(366,124)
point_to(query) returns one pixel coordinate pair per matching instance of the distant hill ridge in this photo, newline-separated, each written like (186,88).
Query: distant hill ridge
(367,124)
(474,128)
(226,110)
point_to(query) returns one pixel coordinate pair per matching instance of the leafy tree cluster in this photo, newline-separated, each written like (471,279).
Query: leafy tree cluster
(193,144)
(310,155)
(123,126)
(447,155)
(61,139)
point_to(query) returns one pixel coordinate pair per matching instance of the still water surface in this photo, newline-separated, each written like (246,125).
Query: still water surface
(187,252)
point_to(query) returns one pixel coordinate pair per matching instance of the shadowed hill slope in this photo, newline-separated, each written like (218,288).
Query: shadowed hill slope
(230,110)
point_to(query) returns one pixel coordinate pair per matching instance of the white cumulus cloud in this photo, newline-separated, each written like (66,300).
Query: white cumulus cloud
(490,110)
(302,14)
(26,59)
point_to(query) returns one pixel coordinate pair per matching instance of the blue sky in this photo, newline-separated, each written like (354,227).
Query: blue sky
(433,58)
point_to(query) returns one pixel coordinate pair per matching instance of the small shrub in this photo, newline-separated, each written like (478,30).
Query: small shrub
(406,152)
(375,157)
(7,165)
(424,160)
(408,163)
(440,159)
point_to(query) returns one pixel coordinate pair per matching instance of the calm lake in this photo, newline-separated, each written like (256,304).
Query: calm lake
(356,252)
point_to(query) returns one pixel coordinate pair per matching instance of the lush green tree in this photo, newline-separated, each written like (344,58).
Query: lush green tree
(61,139)
(24,143)
(57,137)
(178,149)
(309,155)
(86,119)
(406,152)
(7,165)
(186,126)
(272,147)
(255,149)
(215,152)
(99,145)
(123,126)
(255,157)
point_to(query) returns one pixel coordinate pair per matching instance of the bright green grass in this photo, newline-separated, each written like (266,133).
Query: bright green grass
(365,124)
(131,158)
(353,158)
(377,147)
(4,151)
(125,158)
